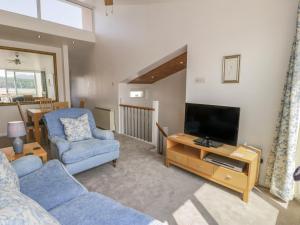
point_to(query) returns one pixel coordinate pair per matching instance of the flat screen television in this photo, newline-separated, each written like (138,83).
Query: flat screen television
(217,123)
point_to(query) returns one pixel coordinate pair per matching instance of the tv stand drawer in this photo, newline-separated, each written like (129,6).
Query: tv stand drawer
(178,157)
(233,178)
(201,166)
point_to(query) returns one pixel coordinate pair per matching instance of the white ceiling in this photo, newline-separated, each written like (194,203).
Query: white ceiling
(93,3)
(87,3)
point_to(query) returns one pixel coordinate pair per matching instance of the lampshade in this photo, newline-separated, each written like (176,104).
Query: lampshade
(16,129)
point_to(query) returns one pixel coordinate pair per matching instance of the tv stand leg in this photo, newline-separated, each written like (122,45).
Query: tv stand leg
(246,196)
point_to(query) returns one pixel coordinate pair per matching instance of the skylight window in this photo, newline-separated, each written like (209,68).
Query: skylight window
(27,8)
(56,11)
(62,12)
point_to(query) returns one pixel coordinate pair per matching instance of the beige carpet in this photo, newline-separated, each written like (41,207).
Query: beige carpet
(170,194)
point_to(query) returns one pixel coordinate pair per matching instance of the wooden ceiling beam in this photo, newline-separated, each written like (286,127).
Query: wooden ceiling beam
(167,69)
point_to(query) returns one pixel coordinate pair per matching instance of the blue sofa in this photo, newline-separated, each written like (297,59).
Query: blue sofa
(61,195)
(81,155)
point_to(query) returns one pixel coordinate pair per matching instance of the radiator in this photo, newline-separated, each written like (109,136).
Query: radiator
(104,118)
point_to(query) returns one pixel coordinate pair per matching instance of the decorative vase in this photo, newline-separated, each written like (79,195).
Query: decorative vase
(18,145)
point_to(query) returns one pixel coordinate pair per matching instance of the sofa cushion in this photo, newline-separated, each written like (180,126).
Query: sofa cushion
(88,148)
(16,208)
(51,185)
(96,209)
(27,164)
(77,129)
(8,177)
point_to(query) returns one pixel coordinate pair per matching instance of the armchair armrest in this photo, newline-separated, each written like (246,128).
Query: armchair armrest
(26,165)
(103,134)
(61,144)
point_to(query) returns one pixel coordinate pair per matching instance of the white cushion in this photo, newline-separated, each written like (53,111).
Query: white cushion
(16,208)
(8,177)
(77,129)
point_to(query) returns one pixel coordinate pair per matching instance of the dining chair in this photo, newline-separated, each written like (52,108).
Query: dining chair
(60,105)
(28,98)
(82,103)
(28,125)
(46,104)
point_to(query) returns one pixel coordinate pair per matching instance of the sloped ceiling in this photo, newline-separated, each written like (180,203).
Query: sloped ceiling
(161,71)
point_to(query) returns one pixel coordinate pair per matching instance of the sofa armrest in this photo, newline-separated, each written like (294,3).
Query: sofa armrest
(61,144)
(103,134)
(26,165)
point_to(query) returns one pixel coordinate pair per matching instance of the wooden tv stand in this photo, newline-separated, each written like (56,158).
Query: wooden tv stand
(182,152)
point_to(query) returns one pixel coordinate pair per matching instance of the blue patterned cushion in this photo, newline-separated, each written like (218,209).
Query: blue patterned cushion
(16,208)
(77,129)
(8,177)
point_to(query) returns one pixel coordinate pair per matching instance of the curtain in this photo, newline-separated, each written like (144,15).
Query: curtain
(282,159)
(297,184)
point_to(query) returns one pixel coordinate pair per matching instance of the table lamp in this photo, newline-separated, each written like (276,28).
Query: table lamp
(16,129)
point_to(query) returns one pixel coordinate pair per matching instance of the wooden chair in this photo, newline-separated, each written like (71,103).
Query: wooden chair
(82,103)
(28,98)
(46,104)
(60,105)
(28,125)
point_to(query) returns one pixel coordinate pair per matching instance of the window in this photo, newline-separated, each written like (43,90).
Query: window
(20,83)
(2,82)
(26,83)
(57,11)
(10,83)
(136,94)
(24,7)
(62,12)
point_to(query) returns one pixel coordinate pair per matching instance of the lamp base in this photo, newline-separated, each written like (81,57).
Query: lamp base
(18,145)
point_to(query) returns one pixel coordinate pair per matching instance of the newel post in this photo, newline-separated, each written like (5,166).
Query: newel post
(155,106)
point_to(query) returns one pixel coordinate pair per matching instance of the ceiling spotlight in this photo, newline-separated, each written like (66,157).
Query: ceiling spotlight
(181,62)
(39,36)
(153,77)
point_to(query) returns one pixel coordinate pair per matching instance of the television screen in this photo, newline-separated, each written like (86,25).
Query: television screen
(218,123)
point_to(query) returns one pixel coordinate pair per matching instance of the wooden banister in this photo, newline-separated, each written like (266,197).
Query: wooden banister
(137,107)
(161,130)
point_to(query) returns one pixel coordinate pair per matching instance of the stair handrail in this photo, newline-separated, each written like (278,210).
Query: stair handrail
(161,130)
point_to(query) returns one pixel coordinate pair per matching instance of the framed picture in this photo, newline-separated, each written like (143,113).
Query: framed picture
(231,69)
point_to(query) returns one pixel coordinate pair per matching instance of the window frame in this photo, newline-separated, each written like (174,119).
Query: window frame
(54,73)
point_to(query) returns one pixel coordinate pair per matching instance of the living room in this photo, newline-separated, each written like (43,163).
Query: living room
(118,63)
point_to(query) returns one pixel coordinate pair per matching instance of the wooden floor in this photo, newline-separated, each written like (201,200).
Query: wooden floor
(5,142)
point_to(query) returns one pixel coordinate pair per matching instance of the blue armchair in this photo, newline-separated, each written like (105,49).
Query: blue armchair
(81,155)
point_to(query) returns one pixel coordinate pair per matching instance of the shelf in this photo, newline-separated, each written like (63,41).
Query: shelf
(185,150)
(238,153)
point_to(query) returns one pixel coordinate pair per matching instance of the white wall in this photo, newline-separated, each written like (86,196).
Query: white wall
(141,32)
(10,113)
(170,93)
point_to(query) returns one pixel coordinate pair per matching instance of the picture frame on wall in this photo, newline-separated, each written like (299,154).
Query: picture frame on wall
(231,69)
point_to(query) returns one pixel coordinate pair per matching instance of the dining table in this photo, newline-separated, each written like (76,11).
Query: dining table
(34,116)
